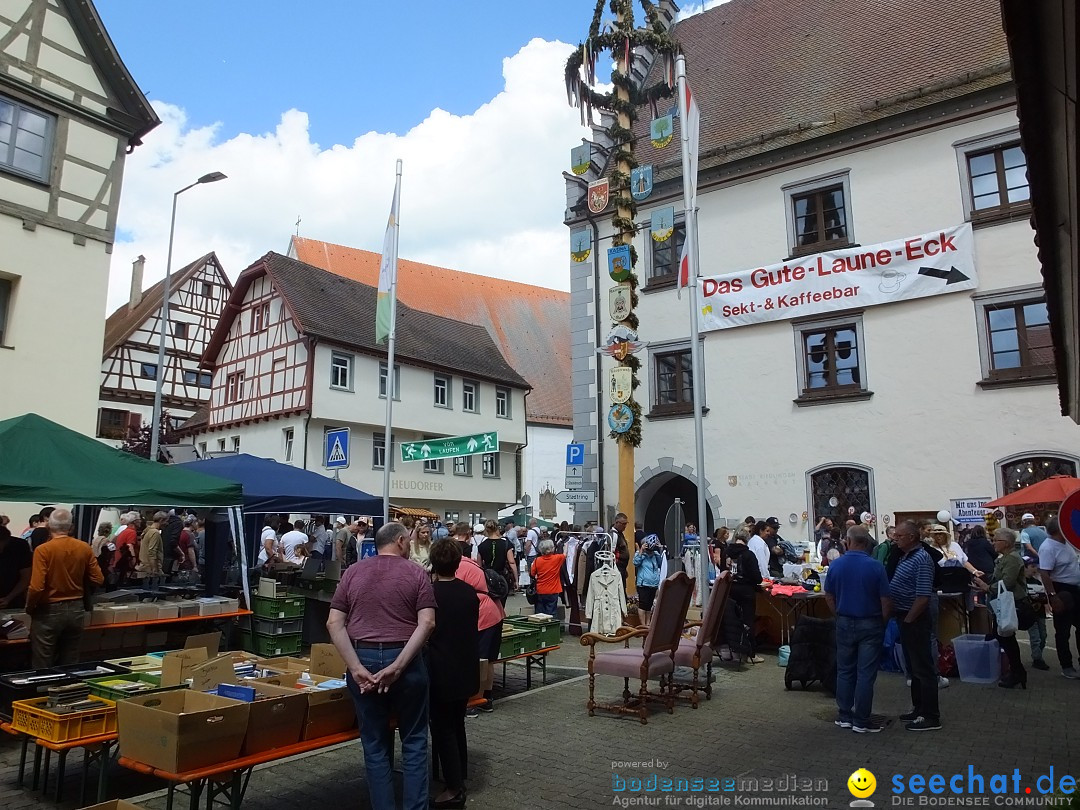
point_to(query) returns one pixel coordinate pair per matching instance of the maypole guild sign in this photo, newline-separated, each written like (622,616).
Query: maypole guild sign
(621,384)
(641,182)
(619,302)
(931,264)
(599,194)
(580,245)
(618,262)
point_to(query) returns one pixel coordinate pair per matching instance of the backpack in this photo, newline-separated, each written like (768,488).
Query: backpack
(496,582)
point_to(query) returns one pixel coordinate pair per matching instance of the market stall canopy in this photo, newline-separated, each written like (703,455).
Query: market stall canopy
(270,486)
(1050,490)
(43,462)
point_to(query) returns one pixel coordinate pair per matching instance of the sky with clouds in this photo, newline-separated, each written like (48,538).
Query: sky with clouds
(309,124)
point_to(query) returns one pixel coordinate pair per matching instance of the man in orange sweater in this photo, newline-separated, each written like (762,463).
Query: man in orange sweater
(63,568)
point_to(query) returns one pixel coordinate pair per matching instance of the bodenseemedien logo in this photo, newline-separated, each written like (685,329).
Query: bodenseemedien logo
(862,785)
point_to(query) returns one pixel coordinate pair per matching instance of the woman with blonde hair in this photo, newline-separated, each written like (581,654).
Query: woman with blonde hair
(420,547)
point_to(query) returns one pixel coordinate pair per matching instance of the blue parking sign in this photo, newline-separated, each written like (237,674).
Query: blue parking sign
(336,449)
(575,455)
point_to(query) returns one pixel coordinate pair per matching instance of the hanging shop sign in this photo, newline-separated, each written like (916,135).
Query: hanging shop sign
(599,195)
(580,244)
(935,263)
(618,262)
(619,302)
(641,182)
(620,385)
(968,510)
(663,224)
(621,341)
(620,418)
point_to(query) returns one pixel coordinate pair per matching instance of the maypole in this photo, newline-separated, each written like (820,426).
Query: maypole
(620,38)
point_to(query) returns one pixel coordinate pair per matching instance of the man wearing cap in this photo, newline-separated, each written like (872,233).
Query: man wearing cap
(341,536)
(1031,535)
(1060,574)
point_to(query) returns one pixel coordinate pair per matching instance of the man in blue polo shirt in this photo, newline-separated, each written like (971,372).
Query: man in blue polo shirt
(911,588)
(857,590)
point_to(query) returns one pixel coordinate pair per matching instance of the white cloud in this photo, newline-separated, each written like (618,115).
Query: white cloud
(482,192)
(690,9)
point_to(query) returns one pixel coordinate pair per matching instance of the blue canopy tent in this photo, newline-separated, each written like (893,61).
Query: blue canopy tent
(270,486)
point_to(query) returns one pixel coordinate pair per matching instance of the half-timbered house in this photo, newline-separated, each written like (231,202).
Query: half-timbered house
(294,356)
(529,324)
(69,113)
(129,364)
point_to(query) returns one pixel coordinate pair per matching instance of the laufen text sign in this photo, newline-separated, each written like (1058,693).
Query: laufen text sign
(931,264)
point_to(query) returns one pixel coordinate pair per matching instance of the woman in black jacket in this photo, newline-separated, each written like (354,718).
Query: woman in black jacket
(980,551)
(745,582)
(453,667)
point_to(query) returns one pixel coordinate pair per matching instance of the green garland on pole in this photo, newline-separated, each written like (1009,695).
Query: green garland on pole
(620,37)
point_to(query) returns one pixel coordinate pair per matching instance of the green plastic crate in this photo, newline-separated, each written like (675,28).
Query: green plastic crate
(283,607)
(269,646)
(518,641)
(152,683)
(550,632)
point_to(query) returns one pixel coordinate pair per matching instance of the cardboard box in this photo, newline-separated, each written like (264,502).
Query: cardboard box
(211,642)
(276,718)
(186,607)
(329,711)
(327,661)
(208,606)
(286,663)
(167,610)
(126,613)
(146,611)
(102,616)
(182,730)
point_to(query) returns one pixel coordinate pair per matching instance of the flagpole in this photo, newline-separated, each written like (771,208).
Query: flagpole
(388,444)
(696,362)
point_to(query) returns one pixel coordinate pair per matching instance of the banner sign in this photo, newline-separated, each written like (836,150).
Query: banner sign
(931,264)
(968,510)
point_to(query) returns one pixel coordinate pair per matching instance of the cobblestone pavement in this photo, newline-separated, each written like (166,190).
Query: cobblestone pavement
(540,749)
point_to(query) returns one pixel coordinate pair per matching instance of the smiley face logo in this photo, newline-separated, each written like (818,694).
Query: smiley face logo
(862,784)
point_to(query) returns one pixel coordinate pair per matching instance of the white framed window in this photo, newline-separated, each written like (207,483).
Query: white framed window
(442,391)
(260,317)
(397,381)
(1015,347)
(662,258)
(221,445)
(993,178)
(112,423)
(830,358)
(203,379)
(433,465)
(489,463)
(469,397)
(236,444)
(341,371)
(207,289)
(818,213)
(378,451)
(462,465)
(234,387)
(202,449)
(287,442)
(26,139)
(148,371)
(502,403)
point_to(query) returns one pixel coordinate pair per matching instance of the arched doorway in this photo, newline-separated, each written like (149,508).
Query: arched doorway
(1016,472)
(655,498)
(840,492)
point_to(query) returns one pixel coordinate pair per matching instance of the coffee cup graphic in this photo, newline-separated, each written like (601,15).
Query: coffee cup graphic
(891,281)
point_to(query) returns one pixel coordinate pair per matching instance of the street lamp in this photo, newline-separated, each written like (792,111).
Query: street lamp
(155,432)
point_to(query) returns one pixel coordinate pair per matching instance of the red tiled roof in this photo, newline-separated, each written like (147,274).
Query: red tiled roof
(530,325)
(768,73)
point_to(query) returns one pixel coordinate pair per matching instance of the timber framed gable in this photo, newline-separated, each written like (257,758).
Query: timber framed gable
(61,73)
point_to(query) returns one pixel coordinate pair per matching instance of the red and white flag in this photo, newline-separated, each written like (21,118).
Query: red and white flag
(691,120)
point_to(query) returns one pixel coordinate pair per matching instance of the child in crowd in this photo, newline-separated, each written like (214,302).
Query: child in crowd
(1037,594)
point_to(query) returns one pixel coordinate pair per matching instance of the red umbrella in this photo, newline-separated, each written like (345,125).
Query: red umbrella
(1050,490)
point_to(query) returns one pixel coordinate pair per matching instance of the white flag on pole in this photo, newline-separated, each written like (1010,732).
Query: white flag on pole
(691,120)
(385,308)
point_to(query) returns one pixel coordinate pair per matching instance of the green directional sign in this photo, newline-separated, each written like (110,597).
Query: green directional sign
(450,447)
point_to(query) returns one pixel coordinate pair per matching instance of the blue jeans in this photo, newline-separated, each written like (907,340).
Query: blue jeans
(1037,634)
(547,603)
(407,700)
(858,653)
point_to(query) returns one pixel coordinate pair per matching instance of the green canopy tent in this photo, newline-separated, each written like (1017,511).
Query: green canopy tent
(43,462)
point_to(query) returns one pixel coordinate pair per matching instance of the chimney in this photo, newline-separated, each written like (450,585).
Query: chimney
(136,282)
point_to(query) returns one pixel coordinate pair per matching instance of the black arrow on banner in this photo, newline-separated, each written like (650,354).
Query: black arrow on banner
(950,276)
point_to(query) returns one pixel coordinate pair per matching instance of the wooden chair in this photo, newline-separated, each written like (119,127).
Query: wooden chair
(655,658)
(695,650)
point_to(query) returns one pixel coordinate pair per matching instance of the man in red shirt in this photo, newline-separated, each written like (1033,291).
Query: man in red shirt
(127,548)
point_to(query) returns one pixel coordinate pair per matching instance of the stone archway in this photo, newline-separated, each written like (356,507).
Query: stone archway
(657,487)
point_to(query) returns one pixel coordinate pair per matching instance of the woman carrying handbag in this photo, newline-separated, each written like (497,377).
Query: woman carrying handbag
(1009,599)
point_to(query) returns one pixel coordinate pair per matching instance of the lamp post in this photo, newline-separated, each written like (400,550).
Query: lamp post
(155,434)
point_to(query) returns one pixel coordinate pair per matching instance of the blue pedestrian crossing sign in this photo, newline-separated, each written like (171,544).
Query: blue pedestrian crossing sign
(336,449)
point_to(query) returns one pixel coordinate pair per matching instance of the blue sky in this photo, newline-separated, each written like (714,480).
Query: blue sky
(353,65)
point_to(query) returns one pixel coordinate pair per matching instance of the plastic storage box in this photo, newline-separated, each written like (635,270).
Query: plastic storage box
(268,646)
(978,660)
(112,688)
(31,717)
(29,684)
(278,627)
(286,607)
